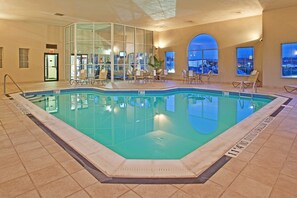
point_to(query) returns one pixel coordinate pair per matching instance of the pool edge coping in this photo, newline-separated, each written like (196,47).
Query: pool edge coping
(192,166)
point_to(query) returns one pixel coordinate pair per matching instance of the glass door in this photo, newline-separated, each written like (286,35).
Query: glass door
(51,67)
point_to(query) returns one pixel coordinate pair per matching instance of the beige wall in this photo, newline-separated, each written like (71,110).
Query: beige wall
(279,26)
(228,34)
(15,35)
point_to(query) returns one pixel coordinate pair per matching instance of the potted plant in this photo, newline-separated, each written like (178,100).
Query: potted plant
(156,65)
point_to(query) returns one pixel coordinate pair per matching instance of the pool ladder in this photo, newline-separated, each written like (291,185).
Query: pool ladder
(5,77)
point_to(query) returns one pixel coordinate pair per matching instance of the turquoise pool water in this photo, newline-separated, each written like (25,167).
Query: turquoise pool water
(151,124)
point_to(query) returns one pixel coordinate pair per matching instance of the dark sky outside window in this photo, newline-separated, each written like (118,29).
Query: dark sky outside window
(203,54)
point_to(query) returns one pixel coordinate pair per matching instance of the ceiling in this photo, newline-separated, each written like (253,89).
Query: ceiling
(157,15)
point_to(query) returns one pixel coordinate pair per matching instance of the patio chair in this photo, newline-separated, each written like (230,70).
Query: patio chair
(290,88)
(82,77)
(129,76)
(163,76)
(251,81)
(191,76)
(139,75)
(208,75)
(102,77)
(185,76)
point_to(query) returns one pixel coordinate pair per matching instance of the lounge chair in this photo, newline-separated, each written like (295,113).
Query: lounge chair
(251,81)
(290,88)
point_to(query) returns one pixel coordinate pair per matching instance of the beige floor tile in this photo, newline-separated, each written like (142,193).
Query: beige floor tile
(30,194)
(59,188)
(224,177)
(16,187)
(9,160)
(39,163)
(253,148)
(272,161)
(130,194)
(53,148)
(48,174)
(12,172)
(290,169)
(62,156)
(231,194)
(208,189)
(22,139)
(45,140)
(79,194)
(265,175)
(292,158)
(294,149)
(181,194)
(235,165)
(27,146)
(5,143)
(286,134)
(179,186)
(286,184)
(276,193)
(84,178)
(288,125)
(131,186)
(149,190)
(279,143)
(266,151)
(4,137)
(33,154)
(72,166)
(107,190)
(245,156)
(6,152)
(250,188)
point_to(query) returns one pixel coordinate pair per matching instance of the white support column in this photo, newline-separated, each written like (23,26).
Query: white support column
(112,54)
(75,52)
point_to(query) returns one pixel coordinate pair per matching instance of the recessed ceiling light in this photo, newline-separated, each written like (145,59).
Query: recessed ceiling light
(59,14)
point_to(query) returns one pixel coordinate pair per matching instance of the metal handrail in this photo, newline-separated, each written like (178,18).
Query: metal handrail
(7,75)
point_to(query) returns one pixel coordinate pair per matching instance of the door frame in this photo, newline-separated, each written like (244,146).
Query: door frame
(45,54)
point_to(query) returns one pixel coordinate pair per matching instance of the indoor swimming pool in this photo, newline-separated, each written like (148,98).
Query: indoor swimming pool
(150,124)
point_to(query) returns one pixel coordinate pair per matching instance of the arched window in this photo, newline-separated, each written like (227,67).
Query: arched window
(203,54)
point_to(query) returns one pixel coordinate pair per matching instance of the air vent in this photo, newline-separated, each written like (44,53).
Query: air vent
(59,14)
(51,46)
(189,21)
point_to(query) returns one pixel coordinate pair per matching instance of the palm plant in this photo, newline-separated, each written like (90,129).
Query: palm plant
(157,64)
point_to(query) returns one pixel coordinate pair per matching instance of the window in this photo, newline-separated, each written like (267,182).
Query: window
(23,58)
(203,54)
(289,60)
(245,60)
(169,62)
(1,50)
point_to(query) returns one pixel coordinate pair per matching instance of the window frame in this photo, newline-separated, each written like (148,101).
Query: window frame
(170,72)
(203,52)
(281,61)
(24,58)
(252,59)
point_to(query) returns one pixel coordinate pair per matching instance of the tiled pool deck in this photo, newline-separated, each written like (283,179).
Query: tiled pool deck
(33,165)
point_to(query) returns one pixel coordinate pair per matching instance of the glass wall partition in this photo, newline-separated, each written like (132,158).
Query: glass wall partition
(117,48)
